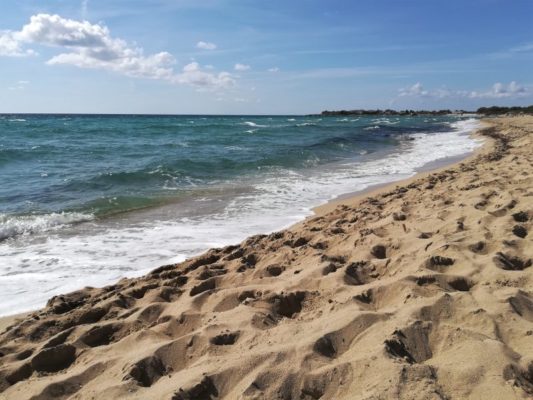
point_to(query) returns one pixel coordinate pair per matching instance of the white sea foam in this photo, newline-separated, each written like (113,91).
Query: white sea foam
(11,226)
(235,148)
(253,124)
(36,267)
(385,121)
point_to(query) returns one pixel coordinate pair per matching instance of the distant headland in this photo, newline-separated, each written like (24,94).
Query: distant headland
(394,112)
(494,110)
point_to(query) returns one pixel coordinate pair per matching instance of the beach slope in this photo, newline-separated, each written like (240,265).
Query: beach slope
(421,290)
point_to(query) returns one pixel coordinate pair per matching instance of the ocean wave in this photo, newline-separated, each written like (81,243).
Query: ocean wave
(371,128)
(385,121)
(283,194)
(17,120)
(465,126)
(20,154)
(253,124)
(307,124)
(234,148)
(11,226)
(148,176)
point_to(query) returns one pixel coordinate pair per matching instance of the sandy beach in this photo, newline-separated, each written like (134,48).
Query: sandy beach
(417,290)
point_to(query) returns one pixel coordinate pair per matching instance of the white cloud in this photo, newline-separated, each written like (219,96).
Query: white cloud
(193,75)
(11,46)
(273,69)
(53,30)
(523,48)
(241,67)
(498,91)
(20,85)
(125,61)
(416,90)
(92,46)
(206,45)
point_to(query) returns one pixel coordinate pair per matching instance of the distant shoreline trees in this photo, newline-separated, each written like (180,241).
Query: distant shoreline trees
(494,110)
(392,112)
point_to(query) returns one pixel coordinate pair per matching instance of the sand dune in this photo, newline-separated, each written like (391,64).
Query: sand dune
(423,290)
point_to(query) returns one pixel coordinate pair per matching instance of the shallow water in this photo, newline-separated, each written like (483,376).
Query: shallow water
(85,200)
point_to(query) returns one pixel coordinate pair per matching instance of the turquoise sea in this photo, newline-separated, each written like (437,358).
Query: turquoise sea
(87,199)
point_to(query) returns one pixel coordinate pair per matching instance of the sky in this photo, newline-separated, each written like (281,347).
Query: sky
(263,57)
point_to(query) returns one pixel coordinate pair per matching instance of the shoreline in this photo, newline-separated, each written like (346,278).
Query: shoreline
(426,170)
(133,243)
(421,287)
(345,198)
(433,167)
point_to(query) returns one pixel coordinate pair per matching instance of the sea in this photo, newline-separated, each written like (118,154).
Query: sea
(88,199)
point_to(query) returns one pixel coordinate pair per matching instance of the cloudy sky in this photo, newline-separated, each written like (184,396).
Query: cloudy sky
(263,57)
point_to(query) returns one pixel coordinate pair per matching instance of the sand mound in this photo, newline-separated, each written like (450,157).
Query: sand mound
(422,291)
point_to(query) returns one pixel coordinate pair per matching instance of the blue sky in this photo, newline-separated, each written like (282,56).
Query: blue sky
(263,57)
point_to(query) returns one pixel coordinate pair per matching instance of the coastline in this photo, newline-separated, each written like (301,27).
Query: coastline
(345,198)
(418,286)
(337,157)
(433,167)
